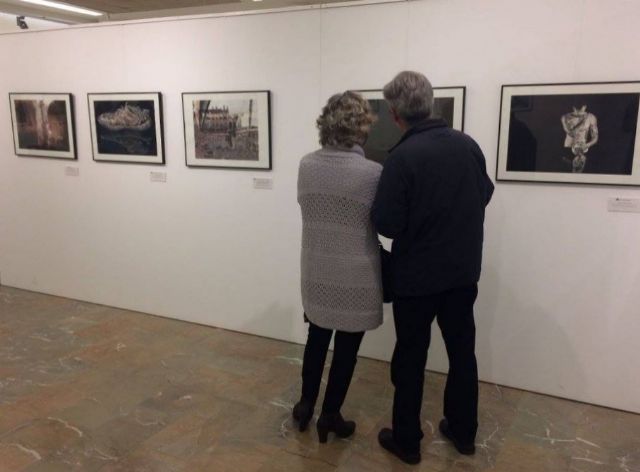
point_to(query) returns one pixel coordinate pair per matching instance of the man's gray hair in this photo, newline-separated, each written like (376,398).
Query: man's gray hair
(410,94)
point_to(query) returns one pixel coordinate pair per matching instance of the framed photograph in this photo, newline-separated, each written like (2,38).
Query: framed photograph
(570,133)
(126,127)
(448,105)
(228,129)
(43,125)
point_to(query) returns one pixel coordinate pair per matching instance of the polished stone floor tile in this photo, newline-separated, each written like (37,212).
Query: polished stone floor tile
(88,388)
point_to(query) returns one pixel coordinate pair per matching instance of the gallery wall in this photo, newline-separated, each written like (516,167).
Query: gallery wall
(8,24)
(558,306)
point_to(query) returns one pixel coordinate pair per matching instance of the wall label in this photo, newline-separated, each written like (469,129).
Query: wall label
(71,171)
(628,205)
(262,183)
(158,177)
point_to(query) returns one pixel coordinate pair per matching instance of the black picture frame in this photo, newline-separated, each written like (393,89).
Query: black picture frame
(534,147)
(157,158)
(264,161)
(70,124)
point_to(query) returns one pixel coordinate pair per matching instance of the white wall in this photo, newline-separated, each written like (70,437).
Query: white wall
(559,303)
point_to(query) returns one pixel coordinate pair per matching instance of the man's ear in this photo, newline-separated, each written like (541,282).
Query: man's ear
(398,120)
(395,115)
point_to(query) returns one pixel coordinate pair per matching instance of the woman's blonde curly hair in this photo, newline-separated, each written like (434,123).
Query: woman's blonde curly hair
(345,120)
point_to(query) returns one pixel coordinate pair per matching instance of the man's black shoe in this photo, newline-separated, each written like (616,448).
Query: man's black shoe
(385,438)
(466,449)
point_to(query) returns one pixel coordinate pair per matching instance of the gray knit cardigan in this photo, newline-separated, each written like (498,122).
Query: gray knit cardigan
(341,278)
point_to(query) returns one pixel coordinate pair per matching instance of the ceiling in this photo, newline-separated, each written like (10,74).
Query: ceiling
(119,6)
(118,10)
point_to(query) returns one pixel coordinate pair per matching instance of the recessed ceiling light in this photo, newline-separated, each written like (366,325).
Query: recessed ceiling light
(64,6)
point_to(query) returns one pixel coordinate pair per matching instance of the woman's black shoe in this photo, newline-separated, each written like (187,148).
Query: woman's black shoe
(385,438)
(334,423)
(302,413)
(466,449)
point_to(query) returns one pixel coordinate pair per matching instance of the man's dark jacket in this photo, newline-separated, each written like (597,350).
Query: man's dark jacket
(431,201)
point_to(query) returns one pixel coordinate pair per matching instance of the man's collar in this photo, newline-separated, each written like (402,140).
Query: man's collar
(425,125)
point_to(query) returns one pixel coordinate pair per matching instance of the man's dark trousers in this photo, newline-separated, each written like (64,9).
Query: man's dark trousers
(413,318)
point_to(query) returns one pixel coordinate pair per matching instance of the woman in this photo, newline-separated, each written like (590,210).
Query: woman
(341,281)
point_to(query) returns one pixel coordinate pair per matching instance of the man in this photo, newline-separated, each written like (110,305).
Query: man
(582,133)
(431,201)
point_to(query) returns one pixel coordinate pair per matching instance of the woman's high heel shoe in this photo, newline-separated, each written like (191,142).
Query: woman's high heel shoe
(302,413)
(334,423)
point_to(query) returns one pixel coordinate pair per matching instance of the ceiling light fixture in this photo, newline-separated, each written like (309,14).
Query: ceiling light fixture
(64,6)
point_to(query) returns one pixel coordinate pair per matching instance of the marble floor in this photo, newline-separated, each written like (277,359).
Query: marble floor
(91,388)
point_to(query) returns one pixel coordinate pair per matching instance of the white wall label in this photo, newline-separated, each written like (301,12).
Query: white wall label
(263,183)
(631,205)
(158,176)
(72,171)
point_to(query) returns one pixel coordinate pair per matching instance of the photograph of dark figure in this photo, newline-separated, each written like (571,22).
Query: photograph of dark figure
(384,132)
(126,127)
(443,108)
(585,134)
